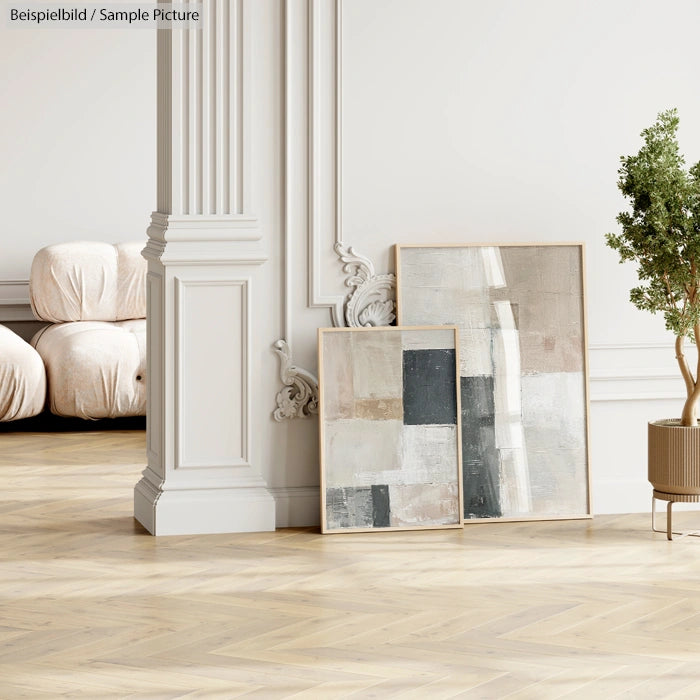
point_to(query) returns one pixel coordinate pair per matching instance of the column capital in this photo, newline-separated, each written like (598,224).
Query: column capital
(211,227)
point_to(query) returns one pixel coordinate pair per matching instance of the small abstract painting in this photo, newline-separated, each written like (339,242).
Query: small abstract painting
(523,376)
(389,429)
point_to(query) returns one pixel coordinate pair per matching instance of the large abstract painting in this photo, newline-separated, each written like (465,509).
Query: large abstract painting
(521,320)
(389,429)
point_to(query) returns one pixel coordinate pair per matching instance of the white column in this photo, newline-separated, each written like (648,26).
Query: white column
(203,249)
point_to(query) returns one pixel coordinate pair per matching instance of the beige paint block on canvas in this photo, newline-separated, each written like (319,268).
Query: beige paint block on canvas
(337,387)
(413,504)
(377,365)
(545,287)
(379,409)
(356,450)
(428,339)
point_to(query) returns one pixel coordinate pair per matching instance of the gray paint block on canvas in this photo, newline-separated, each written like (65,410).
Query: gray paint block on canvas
(349,507)
(429,387)
(479,455)
(381,506)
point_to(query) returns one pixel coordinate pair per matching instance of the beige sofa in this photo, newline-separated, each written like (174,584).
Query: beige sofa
(94,350)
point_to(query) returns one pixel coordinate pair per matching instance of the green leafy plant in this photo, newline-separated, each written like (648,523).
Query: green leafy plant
(661,234)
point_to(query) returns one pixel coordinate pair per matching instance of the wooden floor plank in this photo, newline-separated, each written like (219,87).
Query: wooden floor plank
(92,606)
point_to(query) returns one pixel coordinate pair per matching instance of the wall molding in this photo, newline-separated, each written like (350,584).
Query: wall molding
(651,345)
(325,147)
(372,299)
(639,371)
(310,100)
(155,440)
(16,313)
(14,291)
(635,374)
(183,460)
(14,301)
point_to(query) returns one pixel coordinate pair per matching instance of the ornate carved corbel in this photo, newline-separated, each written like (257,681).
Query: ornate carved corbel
(299,397)
(372,301)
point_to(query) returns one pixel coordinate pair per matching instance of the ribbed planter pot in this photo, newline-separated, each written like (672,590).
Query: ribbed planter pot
(674,458)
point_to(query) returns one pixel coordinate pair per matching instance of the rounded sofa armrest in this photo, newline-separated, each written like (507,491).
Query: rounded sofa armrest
(22,378)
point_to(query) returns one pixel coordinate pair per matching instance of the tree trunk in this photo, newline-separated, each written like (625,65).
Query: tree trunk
(683,364)
(689,417)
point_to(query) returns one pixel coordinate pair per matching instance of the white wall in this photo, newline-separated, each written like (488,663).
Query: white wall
(504,121)
(77,138)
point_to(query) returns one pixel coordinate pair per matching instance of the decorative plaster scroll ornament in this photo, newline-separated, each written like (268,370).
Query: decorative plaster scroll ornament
(299,397)
(372,303)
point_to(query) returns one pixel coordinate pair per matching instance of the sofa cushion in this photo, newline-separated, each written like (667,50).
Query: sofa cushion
(22,378)
(95,369)
(88,281)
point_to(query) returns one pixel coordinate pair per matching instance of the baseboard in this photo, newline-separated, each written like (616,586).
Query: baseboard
(300,507)
(296,506)
(14,301)
(616,496)
(15,313)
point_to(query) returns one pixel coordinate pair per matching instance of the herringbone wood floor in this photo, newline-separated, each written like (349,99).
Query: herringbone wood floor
(93,607)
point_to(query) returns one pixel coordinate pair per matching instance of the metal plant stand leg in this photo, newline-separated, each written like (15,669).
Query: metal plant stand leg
(670,499)
(669,518)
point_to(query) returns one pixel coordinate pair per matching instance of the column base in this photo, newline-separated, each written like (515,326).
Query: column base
(203,511)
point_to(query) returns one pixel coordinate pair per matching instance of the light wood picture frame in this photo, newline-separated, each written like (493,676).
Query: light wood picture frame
(520,309)
(390,440)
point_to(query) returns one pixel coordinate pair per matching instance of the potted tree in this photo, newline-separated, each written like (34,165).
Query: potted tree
(661,234)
